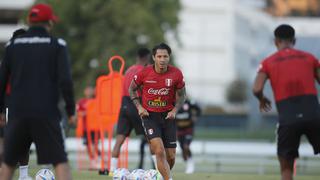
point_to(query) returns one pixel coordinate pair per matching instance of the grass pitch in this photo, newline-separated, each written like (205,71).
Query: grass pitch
(205,170)
(93,175)
(198,176)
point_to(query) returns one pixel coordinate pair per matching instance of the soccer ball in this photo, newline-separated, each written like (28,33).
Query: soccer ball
(152,174)
(137,174)
(121,174)
(45,174)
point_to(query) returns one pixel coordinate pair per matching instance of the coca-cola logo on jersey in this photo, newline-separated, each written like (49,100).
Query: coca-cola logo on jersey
(162,91)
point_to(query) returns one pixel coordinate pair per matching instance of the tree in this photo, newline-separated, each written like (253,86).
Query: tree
(237,91)
(96,30)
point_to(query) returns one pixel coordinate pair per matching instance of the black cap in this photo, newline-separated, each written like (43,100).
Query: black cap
(284,31)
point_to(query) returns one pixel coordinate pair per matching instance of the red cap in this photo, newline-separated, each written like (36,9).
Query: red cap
(41,12)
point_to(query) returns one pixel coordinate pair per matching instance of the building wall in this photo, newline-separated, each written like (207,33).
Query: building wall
(221,41)
(205,52)
(294,7)
(10,12)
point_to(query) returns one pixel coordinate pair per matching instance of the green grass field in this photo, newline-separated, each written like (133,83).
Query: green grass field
(200,176)
(93,175)
(221,134)
(207,168)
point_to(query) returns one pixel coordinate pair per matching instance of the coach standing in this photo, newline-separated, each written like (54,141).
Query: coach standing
(37,67)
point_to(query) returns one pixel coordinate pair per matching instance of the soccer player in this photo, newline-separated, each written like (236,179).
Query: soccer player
(292,74)
(39,68)
(186,117)
(129,118)
(82,112)
(163,93)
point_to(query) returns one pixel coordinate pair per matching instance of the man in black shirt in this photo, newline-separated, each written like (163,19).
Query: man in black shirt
(23,162)
(186,117)
(37,67)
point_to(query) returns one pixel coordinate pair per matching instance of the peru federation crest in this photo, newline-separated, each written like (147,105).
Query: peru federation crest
(168,82)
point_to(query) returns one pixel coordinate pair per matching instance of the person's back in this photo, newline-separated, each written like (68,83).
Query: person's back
(292,74)
(37,67)
(34,79)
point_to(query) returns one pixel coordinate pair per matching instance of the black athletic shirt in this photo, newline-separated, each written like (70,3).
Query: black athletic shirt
(37,67)
(185,114)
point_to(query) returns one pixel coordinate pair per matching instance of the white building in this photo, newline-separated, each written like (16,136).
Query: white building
(10,13)
(221,41)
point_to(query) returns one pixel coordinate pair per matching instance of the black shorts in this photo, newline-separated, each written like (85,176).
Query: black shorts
(1,132)
(92,135)
(298,109)
(185,136)
(288,137)
(129,118)
(45,133)
(185,140)
(155,125)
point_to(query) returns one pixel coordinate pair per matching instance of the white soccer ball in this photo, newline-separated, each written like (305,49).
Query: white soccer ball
(137,174)
(45,174)
(152,174)
(121,174)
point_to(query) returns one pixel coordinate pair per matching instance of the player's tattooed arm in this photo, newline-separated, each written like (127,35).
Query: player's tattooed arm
(180,98)
(133,91)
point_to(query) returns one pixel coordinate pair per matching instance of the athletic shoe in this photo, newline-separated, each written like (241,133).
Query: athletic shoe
(189,166)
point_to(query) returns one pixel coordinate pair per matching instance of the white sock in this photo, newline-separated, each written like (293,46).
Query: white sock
(190,160)
(189,166)
(114,164)
(154,159)
(23,171)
